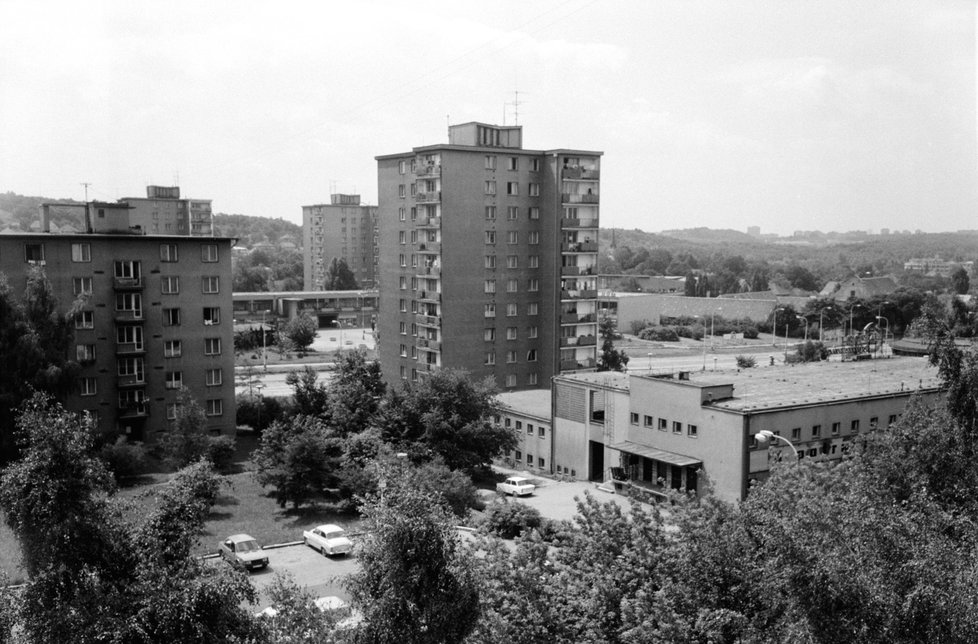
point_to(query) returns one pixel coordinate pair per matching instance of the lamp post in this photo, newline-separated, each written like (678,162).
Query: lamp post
(805,320)
(264,357)
(340,327)
(852,307)
(886,329)
(765,436)
(261,403)
(820,314)
(650,361)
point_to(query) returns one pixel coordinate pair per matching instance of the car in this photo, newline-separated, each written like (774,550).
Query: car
(328,539)
(242,551)
(516,486)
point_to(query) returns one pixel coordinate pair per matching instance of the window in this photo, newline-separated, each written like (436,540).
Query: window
(519,455)
(403,262)
(677,427)
(174,379)
(533,285)
(510,357)
(533,237)
(172,349)
(81,285)
(874,422)
(490,310)
(633,418)
(531,379)
(210,284)
(400,191)
(212,315)
(85,320)
(403,350)
(490,213)
(512,261)
(534,189)
(648,421)
(490,357)
(87,386)
(414,213)
(511,380)
(170,285)
(854,426)
(540,461)
(490,261)
(531,355)
(534,165)
(168,252)
(490,236)
(81,253)
(489,335)
(490,187)
(816,431)
(892,419)
(512,163)
(208,252)
(171,317)
(85,353)
(534,212)
(403,304)
(34,253)
(512,188)
(836,428)
(512,285)
(212,346)
(513,213)
(512,236)
(796,434)
(533,308)
(511,333)
(529,459)
(490,286)
(511,310)
(171,411)
(401,213)
(490,162)
(534,261)
(541,432)
(402,167)
(215,407)
(663,424)
(403,283)
(533,331)
(131,303)
(414,236)
(403,328)
(692,430)
(402,237)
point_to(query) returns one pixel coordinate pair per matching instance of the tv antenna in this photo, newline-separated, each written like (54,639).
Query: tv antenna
(86,184)
(515,104)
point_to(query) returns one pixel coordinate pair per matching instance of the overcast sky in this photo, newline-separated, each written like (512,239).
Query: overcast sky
(788,115)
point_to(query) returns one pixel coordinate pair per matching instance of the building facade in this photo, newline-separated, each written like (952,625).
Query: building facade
(488,254)
(163,212)
(156,316)
(343,229)
(696,431)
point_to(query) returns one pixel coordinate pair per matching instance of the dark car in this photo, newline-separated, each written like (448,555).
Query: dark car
(242,551)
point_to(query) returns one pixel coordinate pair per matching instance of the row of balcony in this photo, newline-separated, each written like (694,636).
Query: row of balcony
(579,247)
(573,365)
(579,341)
(586,294)
(578,318)
(566,197)
(571,222)
(430,197)
(570,271)
(578,172)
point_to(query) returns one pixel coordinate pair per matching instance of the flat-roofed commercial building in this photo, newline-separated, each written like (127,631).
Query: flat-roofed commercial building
(488,258)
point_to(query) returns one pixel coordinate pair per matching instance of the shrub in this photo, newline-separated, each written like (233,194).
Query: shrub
(659,334)
(510,519)
(746,362)
(636,326)
(124,458)
(220,452)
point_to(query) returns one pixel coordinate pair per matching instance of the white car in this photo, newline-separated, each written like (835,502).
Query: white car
(328,539)
(516,486)
(243,552)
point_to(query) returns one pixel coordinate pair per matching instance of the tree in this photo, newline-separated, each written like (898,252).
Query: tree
(339,277)
(414,586)
(300,459)
(187,439)
(447,414)
(354,395)
(301,332)
(611,359)
(309,396)
(960,281)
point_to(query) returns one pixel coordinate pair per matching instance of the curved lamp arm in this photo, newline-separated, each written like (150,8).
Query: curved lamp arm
(765,436)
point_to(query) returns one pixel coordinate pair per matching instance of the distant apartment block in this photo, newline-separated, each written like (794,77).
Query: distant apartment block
(488,258)
(163,212)
(935,266)
(343,229)
(157,317)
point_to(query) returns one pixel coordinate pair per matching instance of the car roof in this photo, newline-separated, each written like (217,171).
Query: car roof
(329,527)
(238,538)
(517,478)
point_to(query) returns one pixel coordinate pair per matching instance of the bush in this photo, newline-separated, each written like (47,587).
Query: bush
(812,352)
(637,326)
(510,519)
(220,452)
(258,412)
(746,362)
(659,334)
(123,458)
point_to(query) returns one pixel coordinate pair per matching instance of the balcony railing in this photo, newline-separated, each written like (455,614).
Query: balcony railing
(429,247)
(132,380)
(129,315)
(429,270)
(135,409)
(428,222)
(580,173)
(575,365)
(428,170)
(573,271)
(429,296)
(431,345)
(580,247)
(429,320)
(128,348)
(566,197)
(578,318)
(127,283)
(589,222)
(430,197)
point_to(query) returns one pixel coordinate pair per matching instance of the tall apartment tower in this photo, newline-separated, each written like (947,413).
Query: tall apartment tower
(163,212)
(488,258)
(343,229)
(157,317)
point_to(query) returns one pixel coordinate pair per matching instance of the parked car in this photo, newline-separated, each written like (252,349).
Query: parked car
(328,539)
(242,551)
(516,486)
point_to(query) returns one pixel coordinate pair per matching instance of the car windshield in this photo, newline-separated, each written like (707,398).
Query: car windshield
(334,534)
(247,546)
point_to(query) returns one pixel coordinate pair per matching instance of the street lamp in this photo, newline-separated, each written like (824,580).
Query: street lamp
(851,309)
(340,327)
(261,403)
(886,329)
(820,314)
(650,361)
(264,357)
(805,320)
(765,436)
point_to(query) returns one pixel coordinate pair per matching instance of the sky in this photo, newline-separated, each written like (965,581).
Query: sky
(783,114)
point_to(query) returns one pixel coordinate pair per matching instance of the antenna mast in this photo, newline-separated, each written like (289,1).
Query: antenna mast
(86,184)
(516,108)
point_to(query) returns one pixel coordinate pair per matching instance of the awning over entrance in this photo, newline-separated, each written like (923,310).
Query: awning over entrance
(657,454)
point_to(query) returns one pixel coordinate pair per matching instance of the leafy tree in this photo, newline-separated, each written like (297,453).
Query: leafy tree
(960,282)
(301,332)
(415,585)
(689,288)
(812,352)
(186,440)
(309,396)
(508,520)
(300,459)
(298,620)
(446,414)
(354,394)
(611,359)
(339,277)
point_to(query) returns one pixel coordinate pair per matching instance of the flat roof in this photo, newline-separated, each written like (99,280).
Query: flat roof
(531,402)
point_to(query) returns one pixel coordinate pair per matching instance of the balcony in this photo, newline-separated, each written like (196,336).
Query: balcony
(574,271)
(129,348)
(590,222)
(586,294)
(134,409)
(430,296)
(578,341)
(131,380)
(129,315)
(429,247)
(430,345)
(579,173)
(579,247)
(578,318)
(576,365)
(127,283)
(430,197)
(428,170)
(429,320)
(428,222)
(426,271)
(566,197)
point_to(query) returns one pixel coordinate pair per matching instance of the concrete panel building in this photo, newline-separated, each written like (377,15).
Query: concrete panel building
(344,229)
(157,317)
(163,212)
(696,431)
(488,257)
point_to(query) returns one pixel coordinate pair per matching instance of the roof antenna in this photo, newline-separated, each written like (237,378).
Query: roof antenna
(86,184)
(516,108)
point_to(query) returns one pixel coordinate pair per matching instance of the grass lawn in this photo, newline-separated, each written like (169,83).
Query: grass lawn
(244,507)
